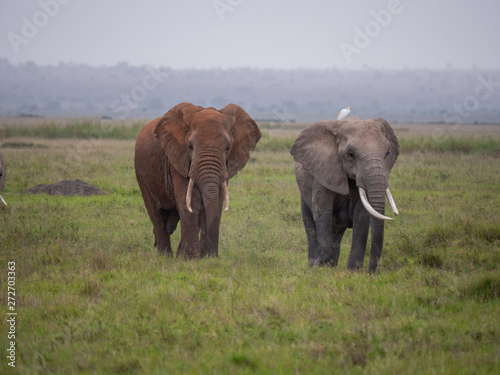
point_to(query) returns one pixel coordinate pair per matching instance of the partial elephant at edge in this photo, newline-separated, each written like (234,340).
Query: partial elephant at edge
(3,178)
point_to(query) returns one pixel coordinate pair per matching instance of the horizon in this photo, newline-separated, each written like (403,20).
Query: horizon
(367,69)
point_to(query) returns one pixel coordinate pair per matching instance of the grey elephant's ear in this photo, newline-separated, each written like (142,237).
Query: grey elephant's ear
(393,141)
(316,149)
(171,132)
(245,134)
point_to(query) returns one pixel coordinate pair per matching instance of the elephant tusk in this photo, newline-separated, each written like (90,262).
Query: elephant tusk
(391,201)
(368,207)
(226,196)
(4,202)
(189,193)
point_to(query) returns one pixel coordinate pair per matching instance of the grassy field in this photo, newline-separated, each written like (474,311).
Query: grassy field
(93,296)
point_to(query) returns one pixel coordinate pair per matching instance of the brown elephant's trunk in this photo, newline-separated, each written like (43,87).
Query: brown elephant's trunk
(210,192)
(189,195)
(209,173)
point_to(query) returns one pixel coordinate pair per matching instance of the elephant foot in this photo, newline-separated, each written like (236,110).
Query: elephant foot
(167,252)
(322,263)
(354,265)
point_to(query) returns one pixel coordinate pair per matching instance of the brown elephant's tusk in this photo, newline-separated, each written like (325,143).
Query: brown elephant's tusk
(391,201)
(226,196)
(4,202)
(368,207)
(189,193)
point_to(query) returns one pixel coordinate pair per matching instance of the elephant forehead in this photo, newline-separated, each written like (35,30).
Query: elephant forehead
(363,131)
(209,117)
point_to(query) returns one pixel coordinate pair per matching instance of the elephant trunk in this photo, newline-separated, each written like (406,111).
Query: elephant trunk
(377,200)
(209,173)
(189,195)
(210,192)
(375,179)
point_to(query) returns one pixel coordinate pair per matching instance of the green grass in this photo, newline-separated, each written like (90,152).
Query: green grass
(76,128)
(93,296)
(460,144)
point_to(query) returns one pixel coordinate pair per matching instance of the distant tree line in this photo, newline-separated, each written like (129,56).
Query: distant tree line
(126,91)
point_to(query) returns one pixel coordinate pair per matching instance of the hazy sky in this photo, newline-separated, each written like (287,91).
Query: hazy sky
(286,34)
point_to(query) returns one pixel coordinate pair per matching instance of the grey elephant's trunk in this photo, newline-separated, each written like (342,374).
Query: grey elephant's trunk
(375,180)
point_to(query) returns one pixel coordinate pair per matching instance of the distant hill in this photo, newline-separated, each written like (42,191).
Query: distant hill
(124,91)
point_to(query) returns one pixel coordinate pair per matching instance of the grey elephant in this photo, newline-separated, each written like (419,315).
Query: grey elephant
(342,169)
(2,179)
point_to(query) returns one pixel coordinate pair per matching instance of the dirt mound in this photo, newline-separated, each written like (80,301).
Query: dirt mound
(67,187)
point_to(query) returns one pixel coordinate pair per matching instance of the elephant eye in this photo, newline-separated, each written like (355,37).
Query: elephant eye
(350,154)
(190,145)
(228,147)
(388,153)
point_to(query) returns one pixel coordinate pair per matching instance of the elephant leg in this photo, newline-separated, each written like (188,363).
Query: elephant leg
(159,220)
(162,236)
(326,250)
(360,228)
(162,239)
(310,227)
(172,221)
(337,239)
(189,246)
(322,209)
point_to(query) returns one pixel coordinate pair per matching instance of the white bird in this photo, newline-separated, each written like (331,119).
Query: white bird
(344,113)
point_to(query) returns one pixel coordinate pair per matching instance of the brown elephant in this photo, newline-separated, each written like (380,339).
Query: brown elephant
(183,162)
(2,180)
(342,169)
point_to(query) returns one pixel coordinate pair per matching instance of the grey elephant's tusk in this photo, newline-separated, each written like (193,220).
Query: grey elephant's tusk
(368,207)
(391,201)
(4,202)
(189,193)
(226,196)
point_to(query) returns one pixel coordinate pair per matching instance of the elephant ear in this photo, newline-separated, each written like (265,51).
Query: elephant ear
(316,149)
(171,132)
(245,133)
(393,141)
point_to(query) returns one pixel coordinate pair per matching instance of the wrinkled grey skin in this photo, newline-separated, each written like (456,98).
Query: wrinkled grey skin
(2,180)
(332,159)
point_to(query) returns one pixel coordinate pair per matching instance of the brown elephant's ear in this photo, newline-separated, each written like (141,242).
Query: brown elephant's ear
(316,149)
(171,132)
(393,141)
(245,134)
